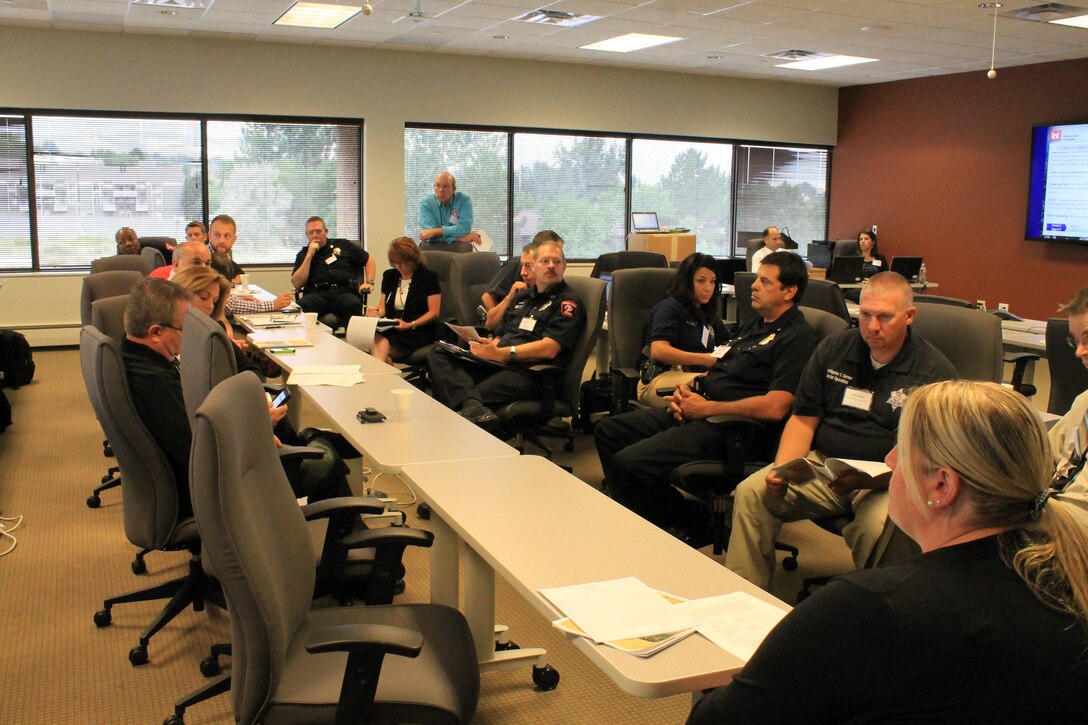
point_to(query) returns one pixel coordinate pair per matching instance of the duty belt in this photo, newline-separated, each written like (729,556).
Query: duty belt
(322,286)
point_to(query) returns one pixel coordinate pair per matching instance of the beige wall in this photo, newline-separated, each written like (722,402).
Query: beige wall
(110,72)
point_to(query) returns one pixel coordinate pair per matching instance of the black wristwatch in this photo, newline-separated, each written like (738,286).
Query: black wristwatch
(513,354)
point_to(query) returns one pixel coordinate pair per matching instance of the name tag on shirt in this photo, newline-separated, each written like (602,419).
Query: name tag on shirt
(455,215)
(527,323)
(721,350)
(875,263)
(706,336)
(331,259)
(857,398)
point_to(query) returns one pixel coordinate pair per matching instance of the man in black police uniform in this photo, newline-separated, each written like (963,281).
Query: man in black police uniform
(333,277)
(542,324)
(847,406)
(511,277)
(755,378)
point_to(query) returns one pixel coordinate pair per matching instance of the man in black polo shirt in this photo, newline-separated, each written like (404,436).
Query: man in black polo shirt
(333,277)
(542,324)
(847,406)
(755,378)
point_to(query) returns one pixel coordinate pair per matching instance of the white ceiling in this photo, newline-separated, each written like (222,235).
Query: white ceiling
(912,38)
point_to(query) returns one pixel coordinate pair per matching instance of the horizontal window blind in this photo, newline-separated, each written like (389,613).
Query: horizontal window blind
(14,194)
(784,187)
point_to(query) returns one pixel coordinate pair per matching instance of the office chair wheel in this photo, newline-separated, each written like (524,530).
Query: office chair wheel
(174,720)
(138,565)
(93,501)
(209,667)
(790,563)
(102,618)
(138,655)
(423,511)
(505,646)
(546,677)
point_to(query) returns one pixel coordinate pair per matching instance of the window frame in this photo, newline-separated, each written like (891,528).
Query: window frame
(28,115)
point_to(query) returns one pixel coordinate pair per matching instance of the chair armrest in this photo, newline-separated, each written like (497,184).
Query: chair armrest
(624,385)
(398,535)
(368,638)
(1020,361)
(727,422)
(292,454)
(344,504)
(1018,357)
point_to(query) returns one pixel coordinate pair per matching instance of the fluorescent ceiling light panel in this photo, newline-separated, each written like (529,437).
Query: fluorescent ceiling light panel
(317,15)
(556,17)
(1080,21)
(631,42)
(825,62)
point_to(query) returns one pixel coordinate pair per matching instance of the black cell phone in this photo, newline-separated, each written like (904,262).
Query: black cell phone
(282,398)
(370,415)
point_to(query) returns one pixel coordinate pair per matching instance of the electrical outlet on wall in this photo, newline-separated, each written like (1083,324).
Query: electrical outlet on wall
(1003,306)
(873,228)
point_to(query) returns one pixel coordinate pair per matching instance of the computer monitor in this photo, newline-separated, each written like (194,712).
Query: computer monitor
(728,268)
(909,267)
(819,253)
(845,270)
(644,221)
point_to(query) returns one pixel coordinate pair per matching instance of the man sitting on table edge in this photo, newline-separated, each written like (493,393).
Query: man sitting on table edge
(186,254)
(755,378)
(445,217)
(847,405)
(542,324)
(513,277)
(333,277)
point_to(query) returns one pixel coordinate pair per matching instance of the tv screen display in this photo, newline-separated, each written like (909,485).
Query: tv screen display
(1058,191)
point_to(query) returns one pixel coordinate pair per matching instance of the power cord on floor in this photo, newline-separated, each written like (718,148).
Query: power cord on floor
(400,504)
(6,529)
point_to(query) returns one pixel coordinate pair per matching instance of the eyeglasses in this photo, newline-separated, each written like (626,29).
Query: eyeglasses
(166,324)
(1074,342)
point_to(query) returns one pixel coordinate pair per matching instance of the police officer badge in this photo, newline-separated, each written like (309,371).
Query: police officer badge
(336,251)
(897,399)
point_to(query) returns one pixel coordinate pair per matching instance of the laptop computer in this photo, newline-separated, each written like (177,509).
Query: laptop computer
(845,270)
(645,222)
(909,267)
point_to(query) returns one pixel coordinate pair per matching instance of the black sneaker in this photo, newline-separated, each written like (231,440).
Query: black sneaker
(472,409)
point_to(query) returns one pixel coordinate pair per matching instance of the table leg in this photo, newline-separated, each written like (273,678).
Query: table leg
(445,580)
(480,604)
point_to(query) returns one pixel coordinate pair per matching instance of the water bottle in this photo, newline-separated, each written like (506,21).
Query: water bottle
(922,274)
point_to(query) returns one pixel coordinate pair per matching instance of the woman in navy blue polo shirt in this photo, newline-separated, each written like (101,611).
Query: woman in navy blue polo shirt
(683,330)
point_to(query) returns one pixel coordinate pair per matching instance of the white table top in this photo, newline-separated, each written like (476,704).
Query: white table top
(539,526)
(431,433)
(327,349)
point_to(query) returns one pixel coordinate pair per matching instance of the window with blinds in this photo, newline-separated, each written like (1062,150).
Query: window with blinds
(14,195)
(689,185)
(784,187)
(271,177)
(93,176)
(573,185)
(480,162)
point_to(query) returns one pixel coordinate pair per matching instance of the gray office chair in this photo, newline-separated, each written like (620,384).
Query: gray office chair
(108,316)
(742,294)
(560,387)
(451,247)
(632,297)
(614,261)
(824,323)
(153,257)
(105,284)
(969,338)
(752,246)
(165,246)
(827,296)
(469,278)
(149,489)
(939,300)
(1068,376)
(129,262)
(293,663)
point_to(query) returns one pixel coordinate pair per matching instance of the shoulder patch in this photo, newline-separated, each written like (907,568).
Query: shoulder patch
(568,308)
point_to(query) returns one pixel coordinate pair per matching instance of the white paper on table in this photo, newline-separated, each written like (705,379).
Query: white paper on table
(617,609)
(485,244)
(341,375)
(736,622)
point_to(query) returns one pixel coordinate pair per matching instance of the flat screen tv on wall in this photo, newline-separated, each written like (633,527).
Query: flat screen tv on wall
(1058,192)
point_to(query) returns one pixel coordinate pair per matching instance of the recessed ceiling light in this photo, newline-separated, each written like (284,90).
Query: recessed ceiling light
(501,37)
(556,17)
(317,15)
(1080,21)
(825,61)
(168,13)
(630,42)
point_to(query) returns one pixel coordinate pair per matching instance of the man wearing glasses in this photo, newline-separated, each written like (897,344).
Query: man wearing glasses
(1069,436)
(542,324)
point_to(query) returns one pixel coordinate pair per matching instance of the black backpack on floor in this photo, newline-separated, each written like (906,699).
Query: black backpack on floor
(16,360)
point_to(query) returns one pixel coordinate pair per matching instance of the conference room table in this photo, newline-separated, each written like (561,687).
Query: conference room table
(324,349)
(539,526)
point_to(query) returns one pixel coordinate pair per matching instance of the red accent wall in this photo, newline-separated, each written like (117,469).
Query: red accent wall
(941,166)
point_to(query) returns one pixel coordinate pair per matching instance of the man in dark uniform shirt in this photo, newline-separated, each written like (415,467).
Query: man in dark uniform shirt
(542,324)
(512,277)
(755,378)
(332,277)
(847,406)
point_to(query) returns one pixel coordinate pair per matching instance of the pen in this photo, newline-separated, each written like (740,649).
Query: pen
(273,327)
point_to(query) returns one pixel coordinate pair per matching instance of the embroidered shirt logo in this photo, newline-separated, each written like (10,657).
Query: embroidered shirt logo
(568,308)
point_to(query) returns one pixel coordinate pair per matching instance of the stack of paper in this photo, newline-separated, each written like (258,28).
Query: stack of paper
(631,617)
(342,375)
